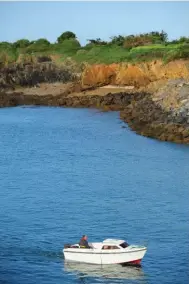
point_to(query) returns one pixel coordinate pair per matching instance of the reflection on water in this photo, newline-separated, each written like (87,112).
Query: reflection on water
(113,272)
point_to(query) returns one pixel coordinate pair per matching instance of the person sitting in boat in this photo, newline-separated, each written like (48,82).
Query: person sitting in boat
(83,242)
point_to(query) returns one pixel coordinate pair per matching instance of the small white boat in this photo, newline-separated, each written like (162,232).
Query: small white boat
(110,251)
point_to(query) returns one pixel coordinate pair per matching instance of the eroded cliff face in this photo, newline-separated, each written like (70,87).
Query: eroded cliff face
(137,75)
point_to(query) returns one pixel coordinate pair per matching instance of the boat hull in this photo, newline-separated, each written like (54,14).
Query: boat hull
(93,256)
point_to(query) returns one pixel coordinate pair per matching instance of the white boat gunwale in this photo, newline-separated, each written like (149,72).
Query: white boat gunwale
(92,251)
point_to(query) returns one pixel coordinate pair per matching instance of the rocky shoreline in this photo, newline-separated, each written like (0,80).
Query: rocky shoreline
(145,112)
(158,109)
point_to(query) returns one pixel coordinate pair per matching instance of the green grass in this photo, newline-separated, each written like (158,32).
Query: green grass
(117,54)
(99,53)
(159,46)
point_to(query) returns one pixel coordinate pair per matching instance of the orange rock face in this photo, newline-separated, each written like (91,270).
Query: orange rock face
(132,76)
(98,75)
(137,75)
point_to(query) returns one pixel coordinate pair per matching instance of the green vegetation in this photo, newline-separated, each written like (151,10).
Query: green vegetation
(65,36)
(132,48)
(22,43)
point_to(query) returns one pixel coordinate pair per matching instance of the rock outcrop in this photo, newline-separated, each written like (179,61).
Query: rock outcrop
(33,74)
(137,75)
(98,75)
(163,115)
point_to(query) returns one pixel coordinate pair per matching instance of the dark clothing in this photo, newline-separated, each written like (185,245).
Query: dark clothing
(84,244)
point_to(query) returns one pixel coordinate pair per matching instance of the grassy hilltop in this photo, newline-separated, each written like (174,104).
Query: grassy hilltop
(132,48)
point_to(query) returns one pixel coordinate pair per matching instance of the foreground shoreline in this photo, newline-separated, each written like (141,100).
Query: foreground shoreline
(142,109)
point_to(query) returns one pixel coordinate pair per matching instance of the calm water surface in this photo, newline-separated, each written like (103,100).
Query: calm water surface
(68,172)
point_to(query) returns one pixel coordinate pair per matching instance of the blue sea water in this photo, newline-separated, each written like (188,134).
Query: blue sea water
(69,172)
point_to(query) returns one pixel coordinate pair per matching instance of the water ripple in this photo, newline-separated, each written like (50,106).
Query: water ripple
(68,172)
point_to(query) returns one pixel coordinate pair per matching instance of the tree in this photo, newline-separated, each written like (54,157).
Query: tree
(65,36)
(163,36)
(118,40)
(21,43)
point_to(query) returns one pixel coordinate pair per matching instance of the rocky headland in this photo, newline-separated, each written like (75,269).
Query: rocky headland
(153,98)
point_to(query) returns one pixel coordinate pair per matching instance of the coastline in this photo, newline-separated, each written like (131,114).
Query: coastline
(143,109)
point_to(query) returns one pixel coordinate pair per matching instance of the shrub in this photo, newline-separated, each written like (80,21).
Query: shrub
(65,36)
(39,45)
(8,56)
(68,47)
(184,39)
(180,53)
(145,39)
(22,43)
(117,40)
(5,45)
(41,41)
(134,41)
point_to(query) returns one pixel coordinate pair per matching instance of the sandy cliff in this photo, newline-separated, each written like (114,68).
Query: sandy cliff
(137,75)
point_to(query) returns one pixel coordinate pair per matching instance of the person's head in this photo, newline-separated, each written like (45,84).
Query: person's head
(85,237)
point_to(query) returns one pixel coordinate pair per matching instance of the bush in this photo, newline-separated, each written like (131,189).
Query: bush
(184,39)
(40,45)
(145,39)
(22,43)
(7,57)
(41,41)
(5,45)
(117,40)
(66,36)
(11,54)
(68,47)
(180,53)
